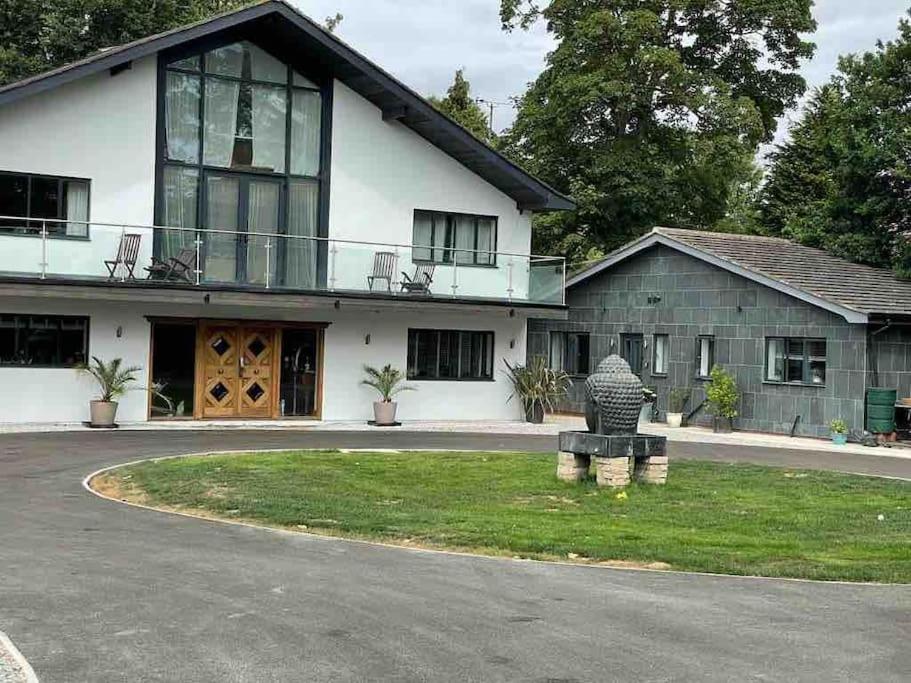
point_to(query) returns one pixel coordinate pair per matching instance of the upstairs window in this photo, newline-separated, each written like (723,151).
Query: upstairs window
(454,238)
(570,352)
(795,360)
(45,341)
(27,196)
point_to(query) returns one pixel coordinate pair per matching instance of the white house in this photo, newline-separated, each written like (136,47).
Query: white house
(276,212)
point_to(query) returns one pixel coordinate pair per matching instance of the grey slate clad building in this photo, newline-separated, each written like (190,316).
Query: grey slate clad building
(805,333)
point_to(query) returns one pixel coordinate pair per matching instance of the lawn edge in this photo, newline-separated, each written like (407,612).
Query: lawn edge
(26,669)
(87,485)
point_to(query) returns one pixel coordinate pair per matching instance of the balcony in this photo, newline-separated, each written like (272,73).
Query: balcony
(66,250)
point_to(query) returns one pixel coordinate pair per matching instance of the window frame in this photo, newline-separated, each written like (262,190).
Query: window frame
(448,248)
(633,337)
(667,347)
(698,356)
(805,357)
(59,319)
(27,230)
(412,350)
(575,369)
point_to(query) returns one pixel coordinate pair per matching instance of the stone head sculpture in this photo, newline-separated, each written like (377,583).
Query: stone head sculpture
(614,398)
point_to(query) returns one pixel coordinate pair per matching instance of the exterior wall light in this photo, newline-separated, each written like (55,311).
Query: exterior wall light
(367,340)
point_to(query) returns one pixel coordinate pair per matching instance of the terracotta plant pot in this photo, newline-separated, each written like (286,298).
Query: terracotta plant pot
(103,413)
(534,413)
(384,412)
(674,419)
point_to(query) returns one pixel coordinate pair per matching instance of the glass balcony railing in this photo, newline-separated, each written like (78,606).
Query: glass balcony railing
(48,248)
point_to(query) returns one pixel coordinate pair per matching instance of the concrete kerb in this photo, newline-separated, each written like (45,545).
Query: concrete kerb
(20,660)
(86,484)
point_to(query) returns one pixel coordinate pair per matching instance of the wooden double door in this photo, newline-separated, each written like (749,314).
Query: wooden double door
(238,370)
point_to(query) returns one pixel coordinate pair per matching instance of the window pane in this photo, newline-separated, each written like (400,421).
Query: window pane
(441,238)
(303,216)
(297,79)
(449,354)
(182,117)
(557,350)
(222,100)
(227,60)
(181,189)
(464,239)
(816,349)
(45,203)
(705,356)
(7,339)
(306,114)
(268,115)
(583,354)
(775,360)
(426,354)
(72,341)
(422,235)
(13,199)
(189,64)
(794,369)
(795,347)
(817,371)
(76,207)
(265,67)
(660,363)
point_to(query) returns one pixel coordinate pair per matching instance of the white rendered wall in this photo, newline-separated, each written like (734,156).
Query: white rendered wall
(382,171)
(63,394)
(102,128)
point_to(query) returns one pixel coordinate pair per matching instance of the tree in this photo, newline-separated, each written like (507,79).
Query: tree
(36,35)
(843,180)
(647,110)
(459,105)
(332,23)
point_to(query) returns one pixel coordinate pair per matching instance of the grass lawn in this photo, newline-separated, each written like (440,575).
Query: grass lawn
(735,519)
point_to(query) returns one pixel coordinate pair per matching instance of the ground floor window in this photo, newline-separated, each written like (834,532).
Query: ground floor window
(450,354)
(570,352)
(45,341)
(661,344)
(705,356)
(796,360)
(631,351)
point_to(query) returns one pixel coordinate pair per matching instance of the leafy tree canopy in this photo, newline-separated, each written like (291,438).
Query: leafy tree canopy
(460,106)
(37,35)
(842,182)
(650,111)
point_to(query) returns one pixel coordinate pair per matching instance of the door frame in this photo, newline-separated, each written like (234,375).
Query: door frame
(199,375)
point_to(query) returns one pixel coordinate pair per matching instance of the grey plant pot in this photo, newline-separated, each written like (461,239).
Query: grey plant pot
(384,413)
(103,413)
(723,425)
(534,413)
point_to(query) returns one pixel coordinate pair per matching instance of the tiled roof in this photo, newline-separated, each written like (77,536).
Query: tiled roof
(855,291)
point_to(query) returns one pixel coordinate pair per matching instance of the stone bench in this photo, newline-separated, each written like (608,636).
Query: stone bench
(612,455)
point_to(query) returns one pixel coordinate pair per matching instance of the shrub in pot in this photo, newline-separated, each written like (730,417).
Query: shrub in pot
(114,381)
(538,387)
(676,404)
(723,397)
(388,382)
(839,430)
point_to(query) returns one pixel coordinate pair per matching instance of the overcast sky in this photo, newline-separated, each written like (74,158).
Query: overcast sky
(423,42)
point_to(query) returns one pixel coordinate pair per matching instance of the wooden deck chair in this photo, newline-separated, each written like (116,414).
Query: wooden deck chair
(383,265)
(180,267)
(127,253)
(420,282)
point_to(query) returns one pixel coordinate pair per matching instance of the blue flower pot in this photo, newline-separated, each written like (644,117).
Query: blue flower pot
(839,439)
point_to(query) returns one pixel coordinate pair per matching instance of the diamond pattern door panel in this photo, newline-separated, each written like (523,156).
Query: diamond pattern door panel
(221,372)
(256,372)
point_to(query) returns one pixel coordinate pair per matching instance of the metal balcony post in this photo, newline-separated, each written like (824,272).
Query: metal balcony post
(122,266)
(509,267)
(43,263)
(455,273)
(268,260)
(198,270)
(395,271)
(333,253)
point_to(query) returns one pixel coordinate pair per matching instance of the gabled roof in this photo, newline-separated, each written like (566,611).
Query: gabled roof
(852,290)
(284,29)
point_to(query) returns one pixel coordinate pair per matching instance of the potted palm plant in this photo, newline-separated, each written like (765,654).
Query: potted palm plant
(388,382)
(538,387)
(676,404)
(114,381)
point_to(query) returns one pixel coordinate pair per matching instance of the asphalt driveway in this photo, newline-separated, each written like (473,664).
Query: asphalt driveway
(95,591)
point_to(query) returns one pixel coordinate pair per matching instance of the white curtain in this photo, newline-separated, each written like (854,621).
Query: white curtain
(705,357)
(486,240)
(660,355)
(301,255)
(421,236)
(269,111)
(775,360)
(182,117)
(557,350)
(465,233)
(263,217)
(441,236)
(221,250)
(77,208)
(221,121)
(306,112)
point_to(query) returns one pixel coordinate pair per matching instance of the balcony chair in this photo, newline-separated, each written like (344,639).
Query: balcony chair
(127,253)
(383,265)
(420,282)
(181,267)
